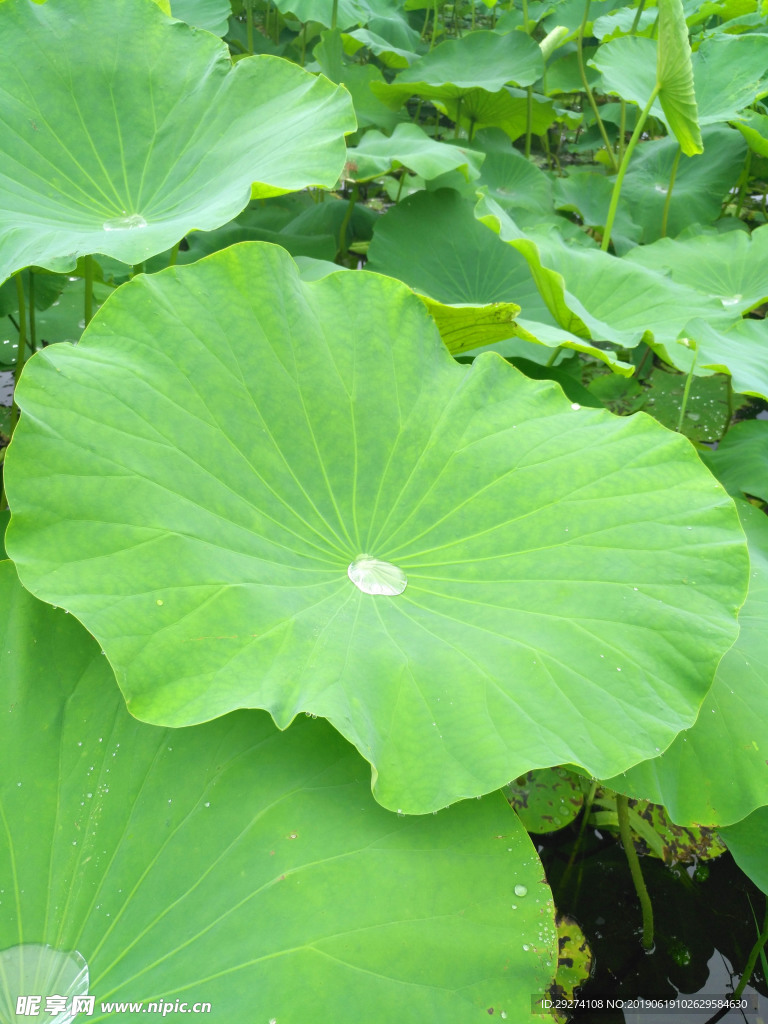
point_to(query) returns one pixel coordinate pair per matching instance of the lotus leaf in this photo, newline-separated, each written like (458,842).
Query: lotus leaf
(409,146)
(102,155)
(728,267)
(717,772)
(747,842)
(346,522)
(699,186)
(206,863)
(593,294)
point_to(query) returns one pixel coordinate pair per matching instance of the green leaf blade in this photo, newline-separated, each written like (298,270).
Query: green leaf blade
(202,863)
(335,424)
(674,77)
(136,129)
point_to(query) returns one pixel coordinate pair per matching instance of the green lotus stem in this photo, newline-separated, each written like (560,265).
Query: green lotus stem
(354,196)
(555,353)
(304,44)
(744,182)
(423,32)
(622,807)
(525,16)
(749,967)
(668,200)
(585,83)
(528,120)
(686,393)
(585,813)
(88,309)
(636,22)
(622,130)
(174,254)
(434,26)
(623,168)
(249,24)
(32,321)
(334,14)
(138,268)
(22,346)
(458,118)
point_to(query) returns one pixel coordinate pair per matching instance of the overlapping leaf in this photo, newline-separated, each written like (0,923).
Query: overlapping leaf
(133,129)
(717,772)
(595,295)
(206,863)
(204,532)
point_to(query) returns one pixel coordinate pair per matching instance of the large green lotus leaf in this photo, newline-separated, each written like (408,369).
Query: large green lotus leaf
(257,491)
(729,75)
(462,326)
(134,129)
(391,56)
(211,15)
(674,76)
(514,182)
(369,110)
(589,194)
(454,263)
(202,864)
(628,69)
(620,23)
(633,67)
(507,109)
(347,12)
(740,350)
(741,459)
(478,60)
(596,295)
(433,242)
(474,108)
(747,842)
(409,146)
(699,188)
(717,772)
(729,267)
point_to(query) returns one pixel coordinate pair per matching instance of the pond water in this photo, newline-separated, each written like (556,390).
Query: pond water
(704,928)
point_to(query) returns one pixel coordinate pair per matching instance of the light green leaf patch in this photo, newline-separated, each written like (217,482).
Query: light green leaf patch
(409,146)
(747,842)
(741,460)
(478,61)
(589,194)
(198,864)
(754,128)
(700,186)
(740,350)
(389,55)
(212,493)
(728,267)
(211,15)
(595,295)
(506,176)
(433,242)
(102,156)
(674,77)
(716,772)
(730,73)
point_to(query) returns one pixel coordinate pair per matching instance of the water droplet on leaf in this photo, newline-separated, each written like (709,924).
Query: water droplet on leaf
(127,222)
(373,576)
